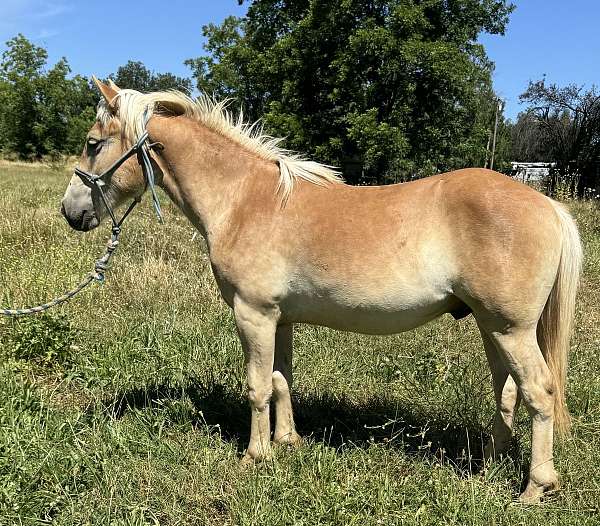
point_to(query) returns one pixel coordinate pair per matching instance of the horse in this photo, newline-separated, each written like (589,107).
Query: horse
(289,242)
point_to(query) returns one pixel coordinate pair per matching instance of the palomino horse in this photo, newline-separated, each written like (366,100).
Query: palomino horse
(290,243)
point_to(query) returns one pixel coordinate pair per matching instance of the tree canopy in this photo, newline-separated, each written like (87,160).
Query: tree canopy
(562,124)
(43,110)
(134,75)
(386,89)
(46,110)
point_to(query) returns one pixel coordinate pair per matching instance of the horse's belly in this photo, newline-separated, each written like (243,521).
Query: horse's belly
(369,322)
(368,316)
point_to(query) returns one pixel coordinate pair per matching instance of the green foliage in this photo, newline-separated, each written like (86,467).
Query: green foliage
(44,339)
(388,90)
(134,75)
(46,111)
(20,71)
(562,125)
(43,111)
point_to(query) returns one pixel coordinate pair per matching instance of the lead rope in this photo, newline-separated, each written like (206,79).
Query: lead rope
(102,264)
(100,267)
(97,276)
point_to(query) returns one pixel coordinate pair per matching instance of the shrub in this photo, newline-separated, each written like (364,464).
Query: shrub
(43,339)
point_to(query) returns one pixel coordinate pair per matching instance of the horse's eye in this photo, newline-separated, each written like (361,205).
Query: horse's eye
(94,145)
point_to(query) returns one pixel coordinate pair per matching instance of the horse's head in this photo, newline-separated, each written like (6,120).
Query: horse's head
(82,204)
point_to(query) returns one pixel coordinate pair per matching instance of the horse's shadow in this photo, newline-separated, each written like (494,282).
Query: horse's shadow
(335,421)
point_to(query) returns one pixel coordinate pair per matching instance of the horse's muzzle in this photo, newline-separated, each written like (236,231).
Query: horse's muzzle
(81,221)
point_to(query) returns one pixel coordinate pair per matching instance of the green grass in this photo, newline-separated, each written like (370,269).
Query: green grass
(127,406)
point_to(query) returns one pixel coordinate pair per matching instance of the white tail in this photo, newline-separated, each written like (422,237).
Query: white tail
(556,323)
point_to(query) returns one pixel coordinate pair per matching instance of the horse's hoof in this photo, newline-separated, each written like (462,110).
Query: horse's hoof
(529,498)
(247,461)
(534,492)
(290,440)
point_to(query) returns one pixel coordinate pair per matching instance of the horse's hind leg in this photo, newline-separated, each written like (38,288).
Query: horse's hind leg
(519,350)
(507,401)
(285,429)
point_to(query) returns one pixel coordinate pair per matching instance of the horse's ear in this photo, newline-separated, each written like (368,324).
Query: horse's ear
(113,85)
(108,92)
(171,107)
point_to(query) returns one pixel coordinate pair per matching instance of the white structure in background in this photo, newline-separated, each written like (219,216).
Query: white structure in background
(531,172)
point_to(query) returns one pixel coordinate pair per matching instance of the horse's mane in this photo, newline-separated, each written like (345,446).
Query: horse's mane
(134,107)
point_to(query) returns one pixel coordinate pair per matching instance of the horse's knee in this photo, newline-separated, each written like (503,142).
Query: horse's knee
(280,385)
(259,397)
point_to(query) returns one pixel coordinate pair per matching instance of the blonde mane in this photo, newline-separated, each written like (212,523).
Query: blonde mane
(136,108)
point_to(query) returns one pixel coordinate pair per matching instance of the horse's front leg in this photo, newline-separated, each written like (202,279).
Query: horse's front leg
(285,429)
(256,328)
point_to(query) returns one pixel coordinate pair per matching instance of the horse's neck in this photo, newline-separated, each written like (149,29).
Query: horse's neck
(209,177)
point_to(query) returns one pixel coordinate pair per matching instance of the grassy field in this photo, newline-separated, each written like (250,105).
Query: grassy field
(127,406)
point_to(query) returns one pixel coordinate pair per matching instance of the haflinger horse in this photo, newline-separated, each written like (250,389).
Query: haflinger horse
(289,243)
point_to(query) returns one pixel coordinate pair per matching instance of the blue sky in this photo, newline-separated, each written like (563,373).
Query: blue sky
(558,38)
(99,36)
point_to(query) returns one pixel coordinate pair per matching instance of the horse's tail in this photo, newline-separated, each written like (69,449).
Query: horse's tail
(556,323)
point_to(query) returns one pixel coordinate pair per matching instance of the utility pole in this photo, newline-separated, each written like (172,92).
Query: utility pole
(487,149)
(498,110)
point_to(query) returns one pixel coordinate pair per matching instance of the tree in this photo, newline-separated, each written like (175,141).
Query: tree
(4,131)
(20,72)
(44,112)
(387,89)
(528,142)
(565,126)
(134,75)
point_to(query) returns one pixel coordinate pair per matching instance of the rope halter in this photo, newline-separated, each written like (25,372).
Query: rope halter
(141,149)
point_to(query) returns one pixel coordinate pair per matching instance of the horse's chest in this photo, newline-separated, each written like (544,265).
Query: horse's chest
(252,276)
